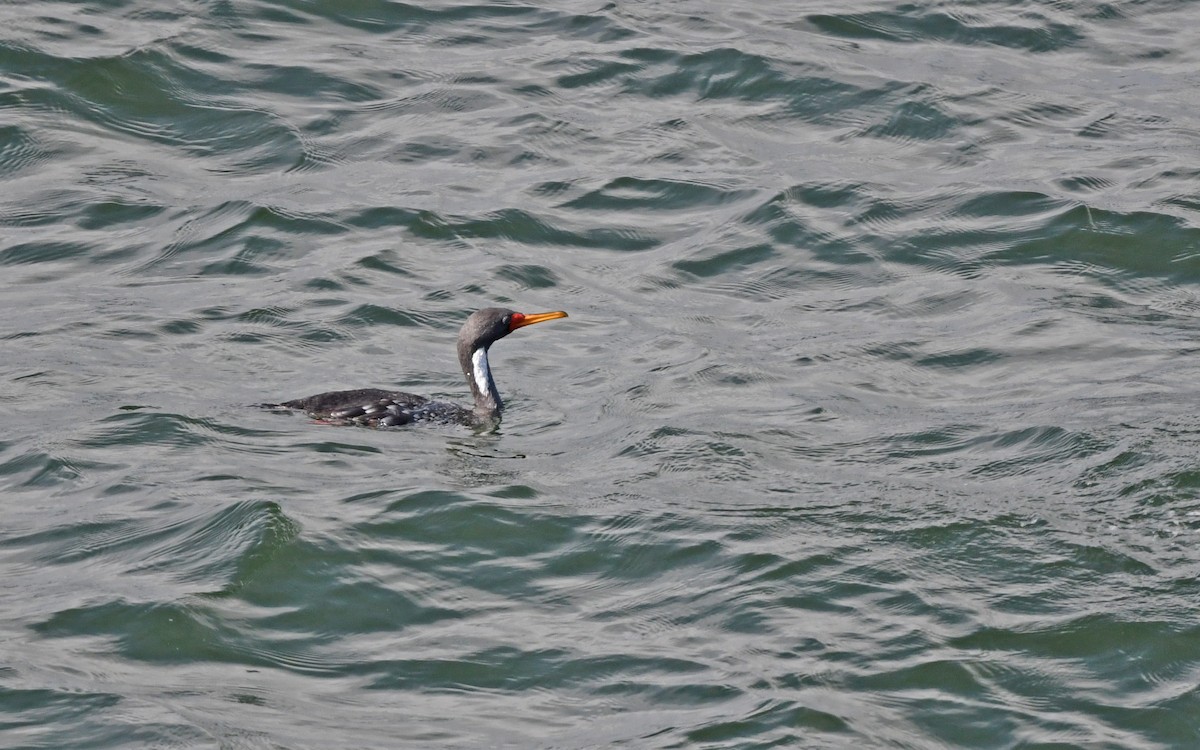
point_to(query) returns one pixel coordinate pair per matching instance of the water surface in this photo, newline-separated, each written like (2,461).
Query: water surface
(873,424)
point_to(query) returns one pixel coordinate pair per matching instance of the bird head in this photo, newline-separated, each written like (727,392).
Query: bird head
(487,326)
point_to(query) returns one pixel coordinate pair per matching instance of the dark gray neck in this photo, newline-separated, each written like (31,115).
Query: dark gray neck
(478,372)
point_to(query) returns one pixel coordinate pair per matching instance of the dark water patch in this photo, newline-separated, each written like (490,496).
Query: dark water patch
(789,223)
(373,315)
(354,607)
(795,90)
(598,72)
(648,195)
(960,360)
(779,283)
(420,21)
(938,305)
(1126,462)
(41,252)
(177,431)
(38,469)
(202,549)
(19,151)
(633,557)
(546,136)
(733,377)
(432,148)
(687,694)
(920,118)
(727,261)
(33,210)
(275,325)
(1189,202)
(509,668)
(1142,244)
(272,316)
(229,545)
(516,492)
(778,723)
(329,448)
(1113,126)
(1100,640)
(1076,238)
(253,239)
(98,216)
(166,634)
(995,205)
(324,285)
(29,710)
(716,74)
(971,450)
(291,222)
(149,95)
(1085,183)
(516,225)
(291,584)
(530,276)
(1105,562)
(658,574)
(244,263)
(1184,175)
(477,542)
(1039,115)
(1169,502)
(673,450)
(1183,484)
(1039,33)
(381,217)
(767,568)
(439,100)
(305,82)
(929,677)
(881,215)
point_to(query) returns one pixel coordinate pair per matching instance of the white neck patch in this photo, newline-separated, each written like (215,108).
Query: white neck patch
(480,370)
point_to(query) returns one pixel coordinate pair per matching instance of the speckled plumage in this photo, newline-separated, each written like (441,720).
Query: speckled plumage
(376,407)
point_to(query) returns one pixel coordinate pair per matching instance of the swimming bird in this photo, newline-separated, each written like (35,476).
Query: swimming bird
(375,407)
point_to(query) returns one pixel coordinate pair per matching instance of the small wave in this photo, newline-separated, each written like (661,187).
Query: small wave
(629,193)
(1041,33)
(20,151)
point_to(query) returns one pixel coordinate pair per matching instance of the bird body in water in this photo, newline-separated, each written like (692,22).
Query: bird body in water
(375,407)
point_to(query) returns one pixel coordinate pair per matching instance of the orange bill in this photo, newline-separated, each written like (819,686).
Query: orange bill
(520,320)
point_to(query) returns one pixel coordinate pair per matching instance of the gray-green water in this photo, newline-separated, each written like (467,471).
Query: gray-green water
(874,423)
